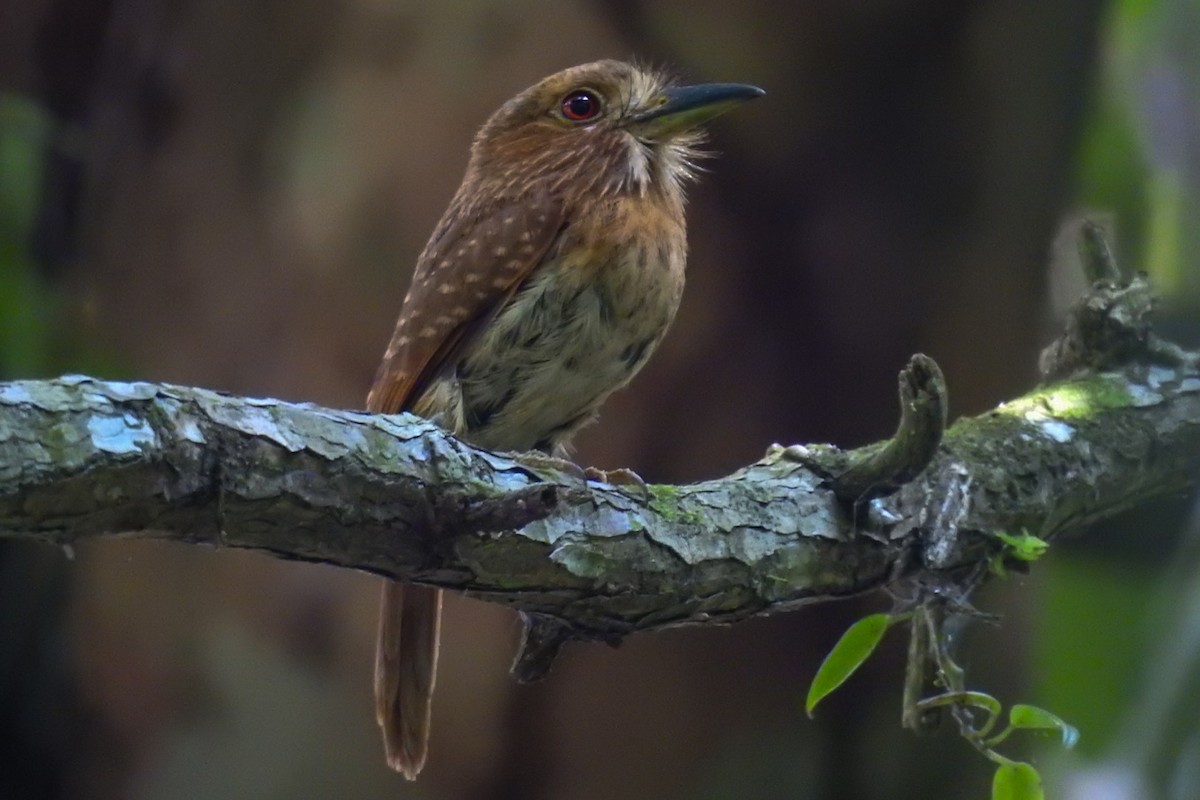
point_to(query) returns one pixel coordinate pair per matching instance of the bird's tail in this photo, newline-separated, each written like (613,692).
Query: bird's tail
(405,669)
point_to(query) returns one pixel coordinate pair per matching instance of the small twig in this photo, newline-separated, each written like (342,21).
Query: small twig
(1110,325)
(916,673)
(1099,263)
(541,642)
(882,470)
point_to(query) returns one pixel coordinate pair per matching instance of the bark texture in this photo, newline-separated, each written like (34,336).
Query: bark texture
(397,496)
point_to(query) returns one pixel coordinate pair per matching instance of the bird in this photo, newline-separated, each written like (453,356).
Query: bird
(548,282)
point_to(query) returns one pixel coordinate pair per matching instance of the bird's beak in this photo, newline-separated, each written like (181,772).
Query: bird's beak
(681,108)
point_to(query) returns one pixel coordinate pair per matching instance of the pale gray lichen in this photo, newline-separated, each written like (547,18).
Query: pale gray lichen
(1060,432)
(1144,396)
(15,394)
(120,434)
(1158,377)
(116,390)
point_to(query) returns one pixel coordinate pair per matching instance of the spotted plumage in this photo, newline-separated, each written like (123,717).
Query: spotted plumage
(549,281)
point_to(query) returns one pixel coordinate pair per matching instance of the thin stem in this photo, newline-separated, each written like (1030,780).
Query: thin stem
(914,674)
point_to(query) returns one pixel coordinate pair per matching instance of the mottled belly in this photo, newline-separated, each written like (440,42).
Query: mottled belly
(567,340)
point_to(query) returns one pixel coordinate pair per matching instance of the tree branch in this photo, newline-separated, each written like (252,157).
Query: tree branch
(395,495)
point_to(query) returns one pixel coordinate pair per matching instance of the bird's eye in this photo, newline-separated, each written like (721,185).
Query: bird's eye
(581,105)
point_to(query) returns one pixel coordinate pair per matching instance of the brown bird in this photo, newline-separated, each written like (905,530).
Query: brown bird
(546,285)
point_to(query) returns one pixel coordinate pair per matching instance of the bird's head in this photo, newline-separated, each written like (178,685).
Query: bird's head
(605,127)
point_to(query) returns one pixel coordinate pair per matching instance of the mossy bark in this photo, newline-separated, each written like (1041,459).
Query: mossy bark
(395,495)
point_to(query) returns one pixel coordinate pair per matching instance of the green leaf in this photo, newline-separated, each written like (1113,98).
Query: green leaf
(856,644)
(1034,718)
(1025,547)
(1017,780)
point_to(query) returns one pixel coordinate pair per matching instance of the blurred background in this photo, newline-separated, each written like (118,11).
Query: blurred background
(232,195)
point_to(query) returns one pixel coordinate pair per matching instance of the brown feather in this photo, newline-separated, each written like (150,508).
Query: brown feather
(549,281)
(406,672)
(467,273)
(472,266)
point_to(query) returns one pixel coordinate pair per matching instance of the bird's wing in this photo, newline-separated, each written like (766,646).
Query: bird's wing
(471,267)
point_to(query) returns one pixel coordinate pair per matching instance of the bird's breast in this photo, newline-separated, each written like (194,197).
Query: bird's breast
(583,324)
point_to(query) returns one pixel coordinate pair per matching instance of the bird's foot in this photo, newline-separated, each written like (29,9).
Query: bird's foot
(539,463)
(625,478)
(617,477)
